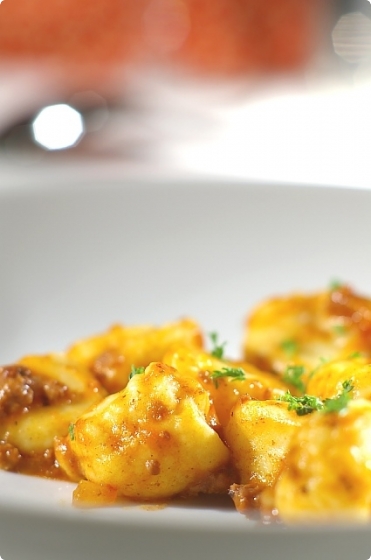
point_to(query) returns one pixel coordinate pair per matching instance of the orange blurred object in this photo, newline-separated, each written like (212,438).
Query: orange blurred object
(209,36)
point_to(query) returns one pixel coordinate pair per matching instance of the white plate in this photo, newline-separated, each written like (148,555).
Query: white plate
(77,257)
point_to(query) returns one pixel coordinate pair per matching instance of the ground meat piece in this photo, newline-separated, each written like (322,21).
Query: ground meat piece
(244,496)
(20,388)
(110,368)
(9,456)
(213,483)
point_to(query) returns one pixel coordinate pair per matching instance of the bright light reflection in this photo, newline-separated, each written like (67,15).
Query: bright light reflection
(57,127)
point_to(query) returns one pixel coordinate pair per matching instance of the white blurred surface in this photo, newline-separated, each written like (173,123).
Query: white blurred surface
(320,136)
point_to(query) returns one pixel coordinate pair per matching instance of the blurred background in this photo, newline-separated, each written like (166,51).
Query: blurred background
(263,90)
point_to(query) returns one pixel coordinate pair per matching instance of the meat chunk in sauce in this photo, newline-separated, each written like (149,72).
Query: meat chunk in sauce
(21,389)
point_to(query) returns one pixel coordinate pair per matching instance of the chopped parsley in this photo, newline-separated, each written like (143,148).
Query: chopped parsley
(335,285)
(237,374)
(136,371)
(355,355)
(302,405)
(309,403)
(339,329)
(71,431)
(341,401)
(290,347)
(218,349)
(293,376)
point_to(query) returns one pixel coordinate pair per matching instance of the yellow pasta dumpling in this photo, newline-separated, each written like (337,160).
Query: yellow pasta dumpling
(226,381)
(258,435)
(39,397)
(111,355)
(303,329)
(327,473)
(149,441)
(327,380)
(148,414)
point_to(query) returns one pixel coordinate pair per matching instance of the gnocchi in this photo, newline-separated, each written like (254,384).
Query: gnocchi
(149,413)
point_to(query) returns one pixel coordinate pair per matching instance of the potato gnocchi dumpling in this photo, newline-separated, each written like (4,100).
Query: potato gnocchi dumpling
(327,472)
(225,380)
(111,355)
(307,328)
(259,435)
(150,413)
(151,440)
(326,381)
(39,397)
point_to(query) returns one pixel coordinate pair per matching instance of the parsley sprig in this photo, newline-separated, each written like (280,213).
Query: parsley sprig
(218,348)
(355,355)
(309,403)
(341,401)
(71,431)
(339,330)
(237,374)
(290,347)
(136,371)
(302,405)
(335,285)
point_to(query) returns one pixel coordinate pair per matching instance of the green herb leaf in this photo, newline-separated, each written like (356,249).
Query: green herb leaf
(238,374)
(290,347)
(302,405)
(218,349)
(293,376)
(355,355)
(339,329)
(335,285)
(341,401)
(71,431)
(136,371)
(309,403)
